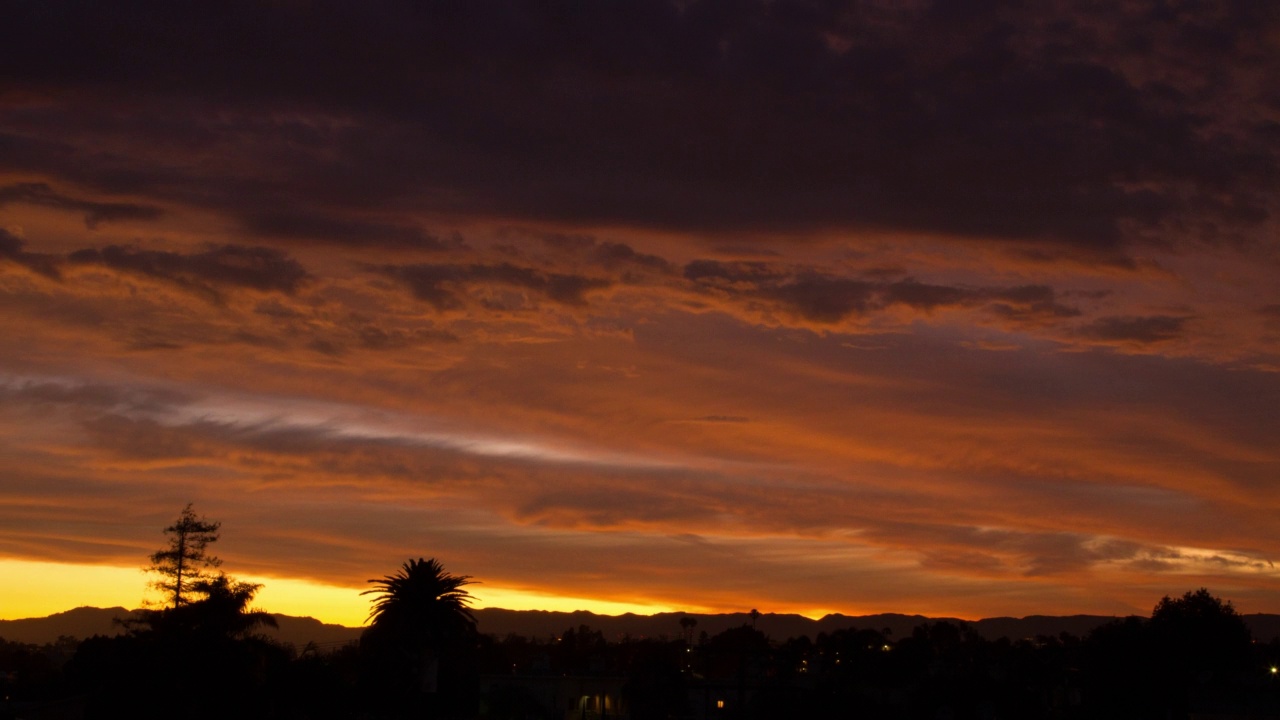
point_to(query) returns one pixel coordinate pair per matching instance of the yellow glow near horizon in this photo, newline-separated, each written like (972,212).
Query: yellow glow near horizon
(303,598)
(31,589)
(35,589)
(510,599)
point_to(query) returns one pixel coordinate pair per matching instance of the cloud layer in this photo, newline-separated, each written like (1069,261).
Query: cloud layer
(837,306)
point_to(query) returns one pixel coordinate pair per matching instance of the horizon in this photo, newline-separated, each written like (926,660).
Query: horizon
(633,613)
(347,607)
(962,311)
(746,616)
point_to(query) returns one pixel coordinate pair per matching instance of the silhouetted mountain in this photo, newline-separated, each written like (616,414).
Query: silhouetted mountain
(302,630)
(1036,625)
(541,624)
(86,622)
(1264,627)
(81,623)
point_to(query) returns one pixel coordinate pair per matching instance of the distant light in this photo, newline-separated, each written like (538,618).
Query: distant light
(1275,669)
(720,704)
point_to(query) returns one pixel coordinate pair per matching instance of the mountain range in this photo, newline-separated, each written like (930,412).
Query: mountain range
(539,624)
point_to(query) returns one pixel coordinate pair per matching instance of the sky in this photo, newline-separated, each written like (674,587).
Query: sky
(964,309)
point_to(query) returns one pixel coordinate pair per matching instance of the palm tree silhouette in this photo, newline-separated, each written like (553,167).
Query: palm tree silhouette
(419,622)
(423,602)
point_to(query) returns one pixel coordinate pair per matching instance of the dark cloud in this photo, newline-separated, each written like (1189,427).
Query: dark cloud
(607,506)
(257,268)
(273,308)
(815,297)
(609,255)
(612,255)
(1143,330)
(94,213)
(714,272)
(328,347)
(11,249)
(827,299)
(443,285)
(822,299)
(373,337)
(1019,121)
(317,226)
(922,296)
(1029,304)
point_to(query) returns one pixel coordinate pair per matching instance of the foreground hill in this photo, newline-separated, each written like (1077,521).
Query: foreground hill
(87,621)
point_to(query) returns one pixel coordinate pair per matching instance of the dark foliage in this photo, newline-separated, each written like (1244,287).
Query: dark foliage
(162,675)
(419,655)
(1193,657)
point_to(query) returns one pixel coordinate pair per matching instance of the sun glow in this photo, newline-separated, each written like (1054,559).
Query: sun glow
(38,589)
(498,597)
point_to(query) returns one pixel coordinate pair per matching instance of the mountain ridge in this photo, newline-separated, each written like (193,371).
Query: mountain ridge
(85,622)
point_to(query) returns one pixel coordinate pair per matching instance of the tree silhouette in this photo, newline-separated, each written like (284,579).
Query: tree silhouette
(1200,639)
(197,654)
(223,611)
(419,640)
(199,602)
(687,624)
(1192,656)
(184,565)
(423,602)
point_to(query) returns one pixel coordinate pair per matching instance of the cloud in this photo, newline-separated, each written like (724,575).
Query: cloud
(444,286)
(514,283)
(42,263)
(829,299)
(99,397)
(1029,124)
(94,212)
(606,254)
(256,268)
(1146,330)
(334,227)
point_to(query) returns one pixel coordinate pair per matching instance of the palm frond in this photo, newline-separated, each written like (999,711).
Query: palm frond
(422,599)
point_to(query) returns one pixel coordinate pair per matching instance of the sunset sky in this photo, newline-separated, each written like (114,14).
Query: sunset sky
(965,309)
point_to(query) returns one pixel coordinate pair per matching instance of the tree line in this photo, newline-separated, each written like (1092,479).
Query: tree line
(200,653)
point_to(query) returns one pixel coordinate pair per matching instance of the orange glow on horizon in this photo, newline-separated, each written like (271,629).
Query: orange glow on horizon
(38,589)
